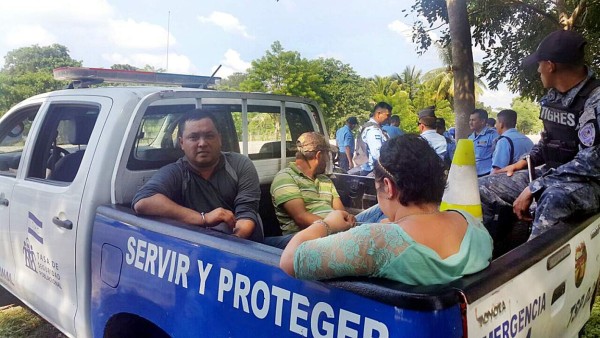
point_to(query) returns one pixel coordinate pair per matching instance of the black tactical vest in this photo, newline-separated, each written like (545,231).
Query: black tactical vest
(560,137)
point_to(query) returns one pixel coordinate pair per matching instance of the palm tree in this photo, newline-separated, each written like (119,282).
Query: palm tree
(441,80)
(385,85)
(410,79)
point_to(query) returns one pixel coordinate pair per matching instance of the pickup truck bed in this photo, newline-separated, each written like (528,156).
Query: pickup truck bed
(428,311)
(245,278)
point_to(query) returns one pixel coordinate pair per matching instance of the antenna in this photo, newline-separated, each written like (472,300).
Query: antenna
(168,33)
(205,85)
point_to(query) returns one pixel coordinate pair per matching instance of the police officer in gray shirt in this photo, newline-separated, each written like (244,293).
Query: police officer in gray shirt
(569,181)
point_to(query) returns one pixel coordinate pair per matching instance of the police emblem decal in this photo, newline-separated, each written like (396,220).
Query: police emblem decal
(580,260)
(587,134)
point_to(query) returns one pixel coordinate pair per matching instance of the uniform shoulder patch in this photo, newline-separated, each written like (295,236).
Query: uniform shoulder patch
(587,134)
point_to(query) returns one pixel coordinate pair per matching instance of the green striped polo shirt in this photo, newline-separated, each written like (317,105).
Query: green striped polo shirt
(291,183)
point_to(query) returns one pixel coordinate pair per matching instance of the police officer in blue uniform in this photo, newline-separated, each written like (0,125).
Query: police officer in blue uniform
(511,144)
(373,136)
(483,137)
(569,181)
(345,142)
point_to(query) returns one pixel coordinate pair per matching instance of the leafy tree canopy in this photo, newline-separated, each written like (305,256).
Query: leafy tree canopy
(123,66)
(284,72)
(339,90)
(528,121)
(344,92)
(37,59)
(14,89)
(232,82)
(507,31)
(27,71)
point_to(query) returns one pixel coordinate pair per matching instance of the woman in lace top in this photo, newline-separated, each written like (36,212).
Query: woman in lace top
(419,245)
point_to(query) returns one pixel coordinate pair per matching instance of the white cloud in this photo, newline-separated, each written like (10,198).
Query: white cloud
(401,29)
(501,98)
(131,34)
(231,63)
(178,63)
(25,35)
(82,12)
(227,22)
(406,31)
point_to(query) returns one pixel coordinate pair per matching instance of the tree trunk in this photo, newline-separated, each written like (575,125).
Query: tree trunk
(462,65)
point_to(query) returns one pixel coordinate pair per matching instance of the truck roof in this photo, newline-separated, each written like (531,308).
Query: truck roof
(142,91)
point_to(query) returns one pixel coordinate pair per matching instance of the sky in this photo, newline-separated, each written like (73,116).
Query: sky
(194,37)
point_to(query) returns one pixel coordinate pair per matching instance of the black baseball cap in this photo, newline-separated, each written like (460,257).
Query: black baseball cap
(559,46)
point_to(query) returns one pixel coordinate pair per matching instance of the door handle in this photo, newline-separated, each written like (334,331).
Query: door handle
(4,201)
(63,224)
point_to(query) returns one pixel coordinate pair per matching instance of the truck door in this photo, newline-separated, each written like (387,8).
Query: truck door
(46,203)
(14,130)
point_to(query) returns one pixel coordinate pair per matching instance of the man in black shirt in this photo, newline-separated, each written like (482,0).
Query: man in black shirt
(206,187)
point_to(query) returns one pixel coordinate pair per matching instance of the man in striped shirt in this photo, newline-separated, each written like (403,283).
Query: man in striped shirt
(302,193)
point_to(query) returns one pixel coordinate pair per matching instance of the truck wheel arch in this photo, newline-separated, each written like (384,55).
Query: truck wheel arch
(131,325)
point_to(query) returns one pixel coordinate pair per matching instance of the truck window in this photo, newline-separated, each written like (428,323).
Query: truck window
(264,130)
(13,134)
(62,141)
(315,113)
(157,143)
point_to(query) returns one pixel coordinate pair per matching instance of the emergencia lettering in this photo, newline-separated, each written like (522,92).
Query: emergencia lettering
(521,320)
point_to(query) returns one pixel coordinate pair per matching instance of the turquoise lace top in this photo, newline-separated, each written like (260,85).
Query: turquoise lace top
(385,250)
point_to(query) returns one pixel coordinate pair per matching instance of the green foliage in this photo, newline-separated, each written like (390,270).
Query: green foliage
(37,59)
(18,322)
(16,88)
(149,68)
(528,112)
(232,82)
(339,90)
(284,72)
(441,80)
(344,93)
(123,66)
(27,71)
(507,31)
(592,328)
(410,80)
(146,68)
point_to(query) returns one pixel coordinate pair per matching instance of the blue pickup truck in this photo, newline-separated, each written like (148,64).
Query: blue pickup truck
(72,249)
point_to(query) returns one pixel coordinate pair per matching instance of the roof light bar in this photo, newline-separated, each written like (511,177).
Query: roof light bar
(86,76)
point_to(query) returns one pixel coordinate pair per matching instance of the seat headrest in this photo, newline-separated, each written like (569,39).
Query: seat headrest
(81,130)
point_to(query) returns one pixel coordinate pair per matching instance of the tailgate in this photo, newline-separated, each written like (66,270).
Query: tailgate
(543,288)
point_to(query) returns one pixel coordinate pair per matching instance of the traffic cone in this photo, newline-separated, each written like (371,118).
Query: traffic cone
(462,188)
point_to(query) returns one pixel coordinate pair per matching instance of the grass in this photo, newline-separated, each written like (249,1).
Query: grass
(17,321)
(592,328)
